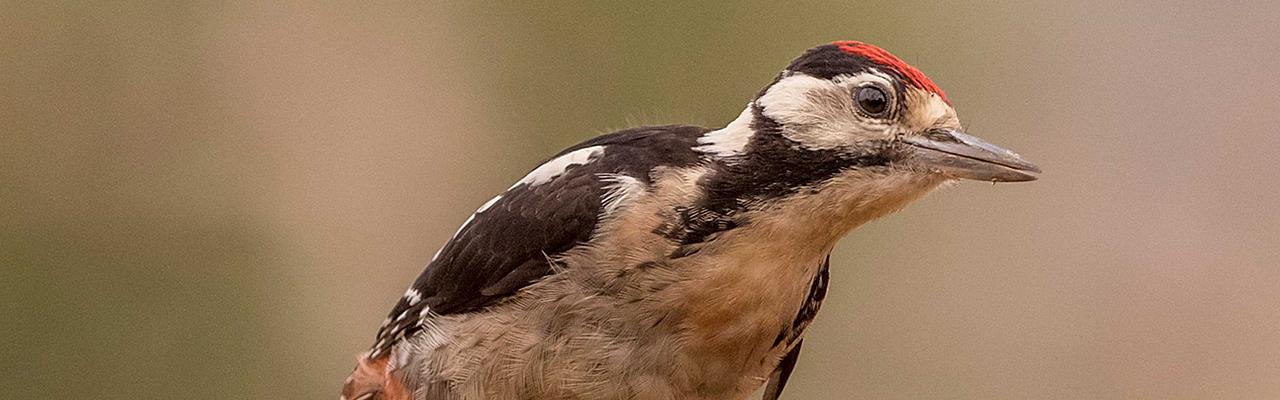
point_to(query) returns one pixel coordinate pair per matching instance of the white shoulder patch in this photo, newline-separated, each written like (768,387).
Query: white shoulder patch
(546,172)
(730,140)
(619,189)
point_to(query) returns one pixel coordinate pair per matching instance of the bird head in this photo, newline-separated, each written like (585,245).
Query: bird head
(854,102)
(860,100)
(853,114)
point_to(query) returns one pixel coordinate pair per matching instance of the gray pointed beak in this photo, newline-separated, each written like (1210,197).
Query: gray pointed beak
(959,155)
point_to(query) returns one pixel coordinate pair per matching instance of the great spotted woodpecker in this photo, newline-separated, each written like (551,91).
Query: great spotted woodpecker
(676,262)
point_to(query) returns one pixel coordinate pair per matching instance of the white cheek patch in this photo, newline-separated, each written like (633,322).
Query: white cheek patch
(546,172)
(819,114)
(730,140)
(790,100)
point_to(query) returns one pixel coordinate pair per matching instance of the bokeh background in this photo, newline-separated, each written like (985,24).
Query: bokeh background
(222,201)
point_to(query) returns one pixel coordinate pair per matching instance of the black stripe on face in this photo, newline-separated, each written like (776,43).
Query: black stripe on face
(771,167)
(774,166)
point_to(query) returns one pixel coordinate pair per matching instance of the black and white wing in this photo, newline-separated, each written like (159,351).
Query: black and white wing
(506,244)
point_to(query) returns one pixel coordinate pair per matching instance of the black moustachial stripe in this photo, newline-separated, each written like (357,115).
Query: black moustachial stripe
(774,166)
(771,166)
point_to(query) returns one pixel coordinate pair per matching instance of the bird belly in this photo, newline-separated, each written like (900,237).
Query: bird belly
(639,340)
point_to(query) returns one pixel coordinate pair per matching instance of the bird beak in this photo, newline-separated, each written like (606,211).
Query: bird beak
(959,155)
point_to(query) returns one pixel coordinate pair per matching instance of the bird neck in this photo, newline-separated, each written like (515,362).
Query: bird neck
(834,208)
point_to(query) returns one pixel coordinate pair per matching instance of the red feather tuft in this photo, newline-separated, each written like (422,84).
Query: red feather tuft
(882,57)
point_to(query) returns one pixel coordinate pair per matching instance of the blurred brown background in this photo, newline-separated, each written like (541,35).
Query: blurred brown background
(222,201)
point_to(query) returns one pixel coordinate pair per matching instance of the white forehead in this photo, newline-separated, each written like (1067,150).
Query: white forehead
(937,108)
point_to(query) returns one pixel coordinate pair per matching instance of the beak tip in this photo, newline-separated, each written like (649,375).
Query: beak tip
(1005,175)
(1023,165)
(1022,170)
(1023,177)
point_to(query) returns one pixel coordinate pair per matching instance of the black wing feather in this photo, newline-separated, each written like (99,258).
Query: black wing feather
(817,292)
(505,247)
(778,379)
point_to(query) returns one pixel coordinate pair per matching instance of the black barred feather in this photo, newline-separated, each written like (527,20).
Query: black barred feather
(791,336)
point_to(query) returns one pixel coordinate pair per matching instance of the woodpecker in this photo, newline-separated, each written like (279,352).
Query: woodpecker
(676,262)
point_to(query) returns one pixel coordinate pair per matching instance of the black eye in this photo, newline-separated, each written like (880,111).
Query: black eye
(872,100)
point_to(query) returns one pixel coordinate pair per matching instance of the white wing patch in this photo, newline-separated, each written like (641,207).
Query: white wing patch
(546,172)
(730,140)
(543,174)
(412,296)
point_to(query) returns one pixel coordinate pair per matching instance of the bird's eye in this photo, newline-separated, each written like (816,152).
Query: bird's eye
(872,100)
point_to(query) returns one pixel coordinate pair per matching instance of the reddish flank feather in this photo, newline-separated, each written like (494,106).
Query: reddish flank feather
(882,57)
(374,379)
